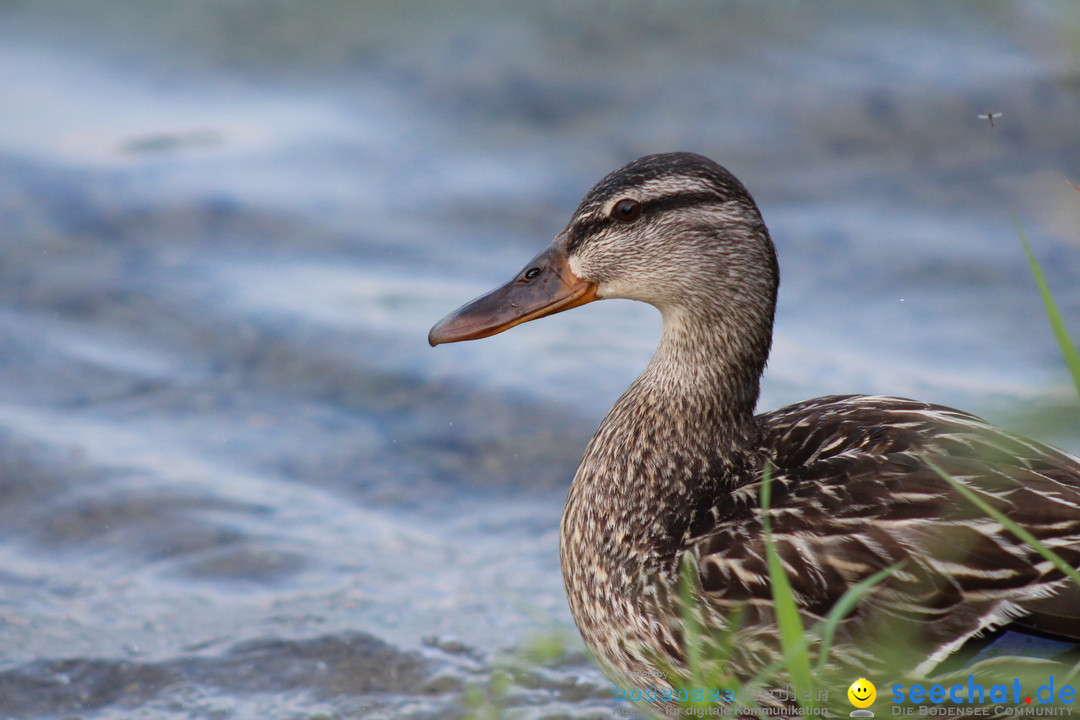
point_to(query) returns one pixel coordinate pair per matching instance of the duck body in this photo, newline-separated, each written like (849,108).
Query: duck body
(673,475)
(854,491)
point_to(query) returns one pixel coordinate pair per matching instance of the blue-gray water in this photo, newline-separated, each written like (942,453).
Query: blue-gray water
(235,481)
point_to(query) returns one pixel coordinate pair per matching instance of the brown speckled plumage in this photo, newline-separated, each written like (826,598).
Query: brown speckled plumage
(675,468)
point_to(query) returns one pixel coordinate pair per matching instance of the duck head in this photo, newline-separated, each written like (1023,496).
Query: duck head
(674,230)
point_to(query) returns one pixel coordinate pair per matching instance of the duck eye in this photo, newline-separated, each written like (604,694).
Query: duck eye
(531,273)
(626,210)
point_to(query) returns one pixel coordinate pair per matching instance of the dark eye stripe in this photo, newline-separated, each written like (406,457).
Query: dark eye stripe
(677,201)
(584,228)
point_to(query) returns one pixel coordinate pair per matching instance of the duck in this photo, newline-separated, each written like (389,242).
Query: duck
(670,485)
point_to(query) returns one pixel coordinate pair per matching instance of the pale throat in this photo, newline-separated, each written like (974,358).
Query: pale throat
(707,364)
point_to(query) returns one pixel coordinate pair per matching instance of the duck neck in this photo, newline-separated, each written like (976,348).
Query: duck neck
(709,368)
(681,435)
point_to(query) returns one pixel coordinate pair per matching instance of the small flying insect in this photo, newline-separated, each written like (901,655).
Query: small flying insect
(990,117)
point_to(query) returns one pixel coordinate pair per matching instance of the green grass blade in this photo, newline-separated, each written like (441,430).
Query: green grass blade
(1007,523)
(792,635)
(692,629)
(843,606)
(826,629)
(1068,350)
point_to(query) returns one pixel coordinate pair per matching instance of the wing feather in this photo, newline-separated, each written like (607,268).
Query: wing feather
(853,493)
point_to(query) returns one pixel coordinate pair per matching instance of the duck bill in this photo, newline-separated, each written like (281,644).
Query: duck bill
(544,287)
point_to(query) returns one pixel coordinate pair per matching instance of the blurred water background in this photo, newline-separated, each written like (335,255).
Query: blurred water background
(234,480)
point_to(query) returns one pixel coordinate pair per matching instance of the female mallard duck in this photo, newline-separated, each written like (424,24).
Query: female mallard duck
(673,474)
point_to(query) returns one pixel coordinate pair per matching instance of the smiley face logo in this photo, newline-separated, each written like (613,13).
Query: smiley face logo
(862,693)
